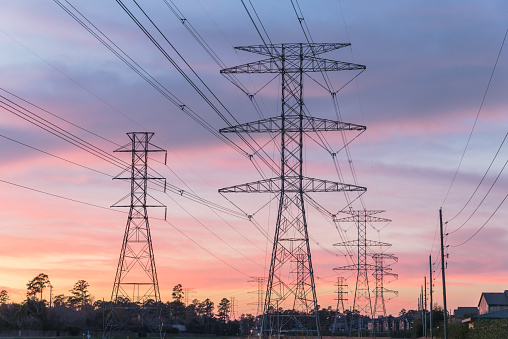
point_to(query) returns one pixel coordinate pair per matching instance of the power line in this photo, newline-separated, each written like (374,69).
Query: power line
(58,196)
(476,119)
(478,231)
(478,186)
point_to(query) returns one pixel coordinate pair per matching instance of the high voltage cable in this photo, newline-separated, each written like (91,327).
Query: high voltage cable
(478,231)
(109,209)
(59,196)
(481,202)
(78,142)
(476,119)
(479,184)
(186,77)
(55,156)
(55,130)
(138,69)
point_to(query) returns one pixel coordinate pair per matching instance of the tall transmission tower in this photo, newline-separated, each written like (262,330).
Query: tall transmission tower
(135,296)
(362,301)
(290,301)
(341,293)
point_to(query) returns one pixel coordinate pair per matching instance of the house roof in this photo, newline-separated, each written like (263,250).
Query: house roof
(462,311)
(503,314)
(495,298)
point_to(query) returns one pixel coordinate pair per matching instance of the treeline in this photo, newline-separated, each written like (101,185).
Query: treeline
(79,312)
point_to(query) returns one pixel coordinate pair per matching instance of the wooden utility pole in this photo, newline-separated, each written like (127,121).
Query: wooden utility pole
(445,310)
(430,292)
(425,307)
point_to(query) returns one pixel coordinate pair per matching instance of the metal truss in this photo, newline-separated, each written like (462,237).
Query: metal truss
(362,301)
(380,272)
(135,299)
(340,326)
(290,306)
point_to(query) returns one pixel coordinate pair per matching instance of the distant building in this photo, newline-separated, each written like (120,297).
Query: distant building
(492,316)
(390,323)
(463,312)
(492,302)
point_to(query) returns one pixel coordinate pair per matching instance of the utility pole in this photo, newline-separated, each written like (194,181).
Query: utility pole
(290,283)
(443,275)
(425,306)
(423,311)
(430,286)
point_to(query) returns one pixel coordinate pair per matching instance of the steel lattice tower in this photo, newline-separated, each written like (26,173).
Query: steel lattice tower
(135,292)
(381,271)
(362,300)
(290,285)
(341,284)
(260,285)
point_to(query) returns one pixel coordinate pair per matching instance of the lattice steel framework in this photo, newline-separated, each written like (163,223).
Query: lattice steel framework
(341,292)
(381,271)
(135,296)
(290,302)
(362,301)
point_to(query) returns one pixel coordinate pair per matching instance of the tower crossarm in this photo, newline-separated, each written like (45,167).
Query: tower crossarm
(355,267)
(292,184)
(291,123)
(367,218)
(366,243)
(308,48)
(293,65)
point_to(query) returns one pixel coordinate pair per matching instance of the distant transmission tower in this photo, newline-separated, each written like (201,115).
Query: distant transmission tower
(232,315)
(380,272)
(362,301)
(260,293)
(341,292)
(290,301)
(135,297)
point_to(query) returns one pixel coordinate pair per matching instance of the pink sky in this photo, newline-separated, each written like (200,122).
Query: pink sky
(427,70)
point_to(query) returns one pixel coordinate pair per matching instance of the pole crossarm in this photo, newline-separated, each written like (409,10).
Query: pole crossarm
(292,123)
(365,243)
(293,65)
(293,185)
(308,48)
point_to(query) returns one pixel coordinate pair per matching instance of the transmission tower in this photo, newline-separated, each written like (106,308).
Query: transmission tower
(380,272)
(232,314)
(135,297)
(260,286)
(290,301)
(341,292)
(362,300)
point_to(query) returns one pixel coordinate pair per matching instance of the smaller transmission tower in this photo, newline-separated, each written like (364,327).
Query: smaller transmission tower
(362,301)
(232,315)
(340,326)
(381,271)
(135,297)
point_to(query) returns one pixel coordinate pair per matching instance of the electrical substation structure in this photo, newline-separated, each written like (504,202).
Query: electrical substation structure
(290,306)
(362,300)
(135,299)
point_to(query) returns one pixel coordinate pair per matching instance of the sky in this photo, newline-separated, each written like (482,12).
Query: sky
(428,69)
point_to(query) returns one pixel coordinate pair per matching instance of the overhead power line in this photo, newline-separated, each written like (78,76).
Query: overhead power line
(476,119)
